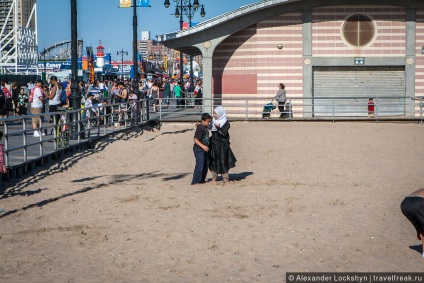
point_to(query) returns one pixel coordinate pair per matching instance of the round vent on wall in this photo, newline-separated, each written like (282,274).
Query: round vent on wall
(358,30)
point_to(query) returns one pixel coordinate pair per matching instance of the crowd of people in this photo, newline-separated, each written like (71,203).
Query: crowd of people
(52,96)
(13,99)
(160,90)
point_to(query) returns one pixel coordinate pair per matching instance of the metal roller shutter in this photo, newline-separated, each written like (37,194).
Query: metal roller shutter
(352,86)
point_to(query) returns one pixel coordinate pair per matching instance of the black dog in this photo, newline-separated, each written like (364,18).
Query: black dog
(150,125)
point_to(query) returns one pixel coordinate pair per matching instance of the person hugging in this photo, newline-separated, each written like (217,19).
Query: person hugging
(200,149)
(222,158)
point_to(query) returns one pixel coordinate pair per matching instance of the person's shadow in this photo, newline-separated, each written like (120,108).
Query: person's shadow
(418,248)
(239,176)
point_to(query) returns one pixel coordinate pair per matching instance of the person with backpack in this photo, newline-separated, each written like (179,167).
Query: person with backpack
(37,100)
(122,95)
(54,96)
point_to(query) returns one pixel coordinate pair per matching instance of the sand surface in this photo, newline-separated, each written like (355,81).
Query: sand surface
(304,197)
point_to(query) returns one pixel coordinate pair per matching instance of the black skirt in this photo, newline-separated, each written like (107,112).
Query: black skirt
(221,157)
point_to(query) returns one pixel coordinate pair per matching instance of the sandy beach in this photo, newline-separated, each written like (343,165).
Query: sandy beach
(310,197)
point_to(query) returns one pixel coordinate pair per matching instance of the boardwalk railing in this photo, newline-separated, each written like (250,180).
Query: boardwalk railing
(325,108)
(63,133)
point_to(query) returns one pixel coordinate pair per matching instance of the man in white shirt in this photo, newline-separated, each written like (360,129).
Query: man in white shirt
(89,103)
(91,112)
(102,88)
(37,106)
(30,85)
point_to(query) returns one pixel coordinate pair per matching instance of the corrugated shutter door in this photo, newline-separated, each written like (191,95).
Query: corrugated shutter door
(352,87)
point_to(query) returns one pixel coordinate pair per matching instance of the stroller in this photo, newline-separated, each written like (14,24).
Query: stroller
(266,113)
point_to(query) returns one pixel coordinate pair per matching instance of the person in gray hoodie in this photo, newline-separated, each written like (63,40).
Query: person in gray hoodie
(281,99)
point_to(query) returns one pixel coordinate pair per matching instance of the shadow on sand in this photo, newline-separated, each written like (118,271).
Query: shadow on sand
(417,248)
(15,187)
(236,177)
(116,179)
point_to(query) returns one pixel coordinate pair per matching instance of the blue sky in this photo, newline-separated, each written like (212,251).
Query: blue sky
(103,20)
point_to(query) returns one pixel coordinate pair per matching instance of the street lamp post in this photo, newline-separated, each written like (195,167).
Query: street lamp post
(122,52)
(44,77)
(135,51)
(188,10)
(75,96)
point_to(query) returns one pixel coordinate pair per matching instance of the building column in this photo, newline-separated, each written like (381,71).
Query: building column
(207,48)
(207,84)
(410,60)
(307,63)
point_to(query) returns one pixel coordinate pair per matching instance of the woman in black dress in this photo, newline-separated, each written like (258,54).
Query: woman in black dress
(221,156)
(154,91)
(15,93)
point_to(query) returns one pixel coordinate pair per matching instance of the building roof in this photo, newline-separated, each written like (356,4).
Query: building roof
(243,10)
(231,22)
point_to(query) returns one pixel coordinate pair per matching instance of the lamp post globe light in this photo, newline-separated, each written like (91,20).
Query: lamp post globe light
(122,52)
(186,8)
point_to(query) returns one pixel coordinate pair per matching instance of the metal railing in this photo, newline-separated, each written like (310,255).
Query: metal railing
(20,142)
(334,108)
(21,147)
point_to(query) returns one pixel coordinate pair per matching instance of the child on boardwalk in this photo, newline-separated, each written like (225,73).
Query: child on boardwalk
(221,155)
(200,149)
(371,106)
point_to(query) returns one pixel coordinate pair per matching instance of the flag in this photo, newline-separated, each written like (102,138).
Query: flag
(125,3)
(139,3)
(143,3)
(165,62)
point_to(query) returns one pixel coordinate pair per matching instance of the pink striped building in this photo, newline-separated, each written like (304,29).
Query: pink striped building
(319,49)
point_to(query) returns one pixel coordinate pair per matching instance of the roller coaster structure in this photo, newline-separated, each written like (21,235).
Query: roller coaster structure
(18,45)
(60,50)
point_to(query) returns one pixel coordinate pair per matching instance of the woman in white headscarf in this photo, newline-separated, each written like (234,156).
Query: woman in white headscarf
(222,158)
